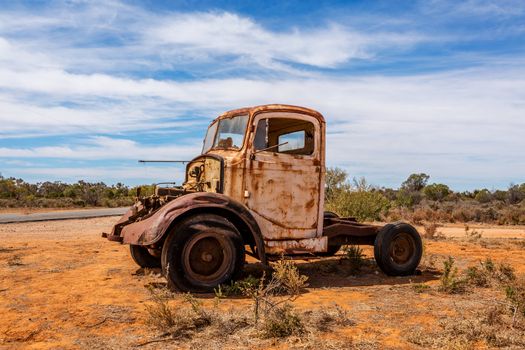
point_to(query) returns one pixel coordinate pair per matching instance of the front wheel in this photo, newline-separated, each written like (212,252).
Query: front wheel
(202,252)
(398,249)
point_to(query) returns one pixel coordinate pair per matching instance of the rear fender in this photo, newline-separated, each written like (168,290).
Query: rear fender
(153,229)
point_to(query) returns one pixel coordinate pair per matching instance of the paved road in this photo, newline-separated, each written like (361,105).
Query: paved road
(63,215)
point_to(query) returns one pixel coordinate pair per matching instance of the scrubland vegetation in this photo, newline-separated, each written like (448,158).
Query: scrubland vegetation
(419,202)
(416,200)
(16,193)
(496,319)
(185,318)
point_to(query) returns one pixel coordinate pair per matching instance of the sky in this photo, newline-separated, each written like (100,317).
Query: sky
(87,88)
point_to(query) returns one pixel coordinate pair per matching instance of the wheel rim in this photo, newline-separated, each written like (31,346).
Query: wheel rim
(207,257)
(402,248)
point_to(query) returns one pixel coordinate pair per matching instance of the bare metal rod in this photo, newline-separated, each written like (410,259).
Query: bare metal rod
(269,148)
(164,161)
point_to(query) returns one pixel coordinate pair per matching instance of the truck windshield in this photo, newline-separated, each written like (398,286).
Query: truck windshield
(226,134)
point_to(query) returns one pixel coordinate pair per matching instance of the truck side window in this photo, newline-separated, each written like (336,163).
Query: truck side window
(297,134)
(261,140)
(291,141)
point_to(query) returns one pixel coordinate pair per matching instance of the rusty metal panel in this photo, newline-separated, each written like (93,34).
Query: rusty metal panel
(149,229)
(297,246)
(282,190)
(204,174)
(234,163)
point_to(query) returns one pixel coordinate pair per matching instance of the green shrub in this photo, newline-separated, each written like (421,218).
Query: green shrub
(354,255)
(287,276)
(436,192)
(515,294)
(282,322)
(450,282)
(237,287)
(363,205)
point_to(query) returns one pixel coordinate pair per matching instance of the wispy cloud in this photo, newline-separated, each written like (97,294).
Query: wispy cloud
(101,148)
(175,39)
(194,35)
(430,90)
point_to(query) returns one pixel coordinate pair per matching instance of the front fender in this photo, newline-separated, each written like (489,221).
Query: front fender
(153,228)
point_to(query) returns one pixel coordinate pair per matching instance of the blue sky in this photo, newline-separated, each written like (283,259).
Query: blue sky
(88,88)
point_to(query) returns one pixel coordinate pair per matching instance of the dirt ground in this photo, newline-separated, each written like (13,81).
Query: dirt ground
(64,287)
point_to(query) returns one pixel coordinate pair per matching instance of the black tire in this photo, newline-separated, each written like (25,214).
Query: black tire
(332,249)
(143,258)
(398,249)
(202,252)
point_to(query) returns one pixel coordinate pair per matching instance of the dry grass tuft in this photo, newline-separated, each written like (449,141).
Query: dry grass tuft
(356,258)
(324,320)
(472,234)
(493,326)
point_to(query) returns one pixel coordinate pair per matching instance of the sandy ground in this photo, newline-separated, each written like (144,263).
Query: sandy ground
(64,287)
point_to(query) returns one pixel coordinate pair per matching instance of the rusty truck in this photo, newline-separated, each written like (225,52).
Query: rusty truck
(256,189)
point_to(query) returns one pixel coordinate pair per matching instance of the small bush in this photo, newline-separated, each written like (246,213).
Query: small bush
(237,287)
(324,319)
(287,275)
(354,255)
(450,282)
(161,316)
(477,277)
(515,294)
(488,274)
(282,322)
(472,234)
(431,231)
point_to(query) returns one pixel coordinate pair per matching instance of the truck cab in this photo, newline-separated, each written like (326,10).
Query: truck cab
(257,188)
(270,159)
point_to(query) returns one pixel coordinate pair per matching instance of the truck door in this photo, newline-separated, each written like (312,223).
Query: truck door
(284,173)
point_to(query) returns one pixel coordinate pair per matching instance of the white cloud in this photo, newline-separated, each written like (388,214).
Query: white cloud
(101,148)
(211,34)
(79,68)
(451,125)
(172,39)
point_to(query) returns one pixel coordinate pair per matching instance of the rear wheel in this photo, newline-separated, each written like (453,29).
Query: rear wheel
(142,257)
(202,252)
(398,249)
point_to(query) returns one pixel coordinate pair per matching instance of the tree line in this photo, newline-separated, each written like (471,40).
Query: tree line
(415,200)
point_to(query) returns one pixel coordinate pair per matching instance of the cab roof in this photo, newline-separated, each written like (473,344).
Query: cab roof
(272,108)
